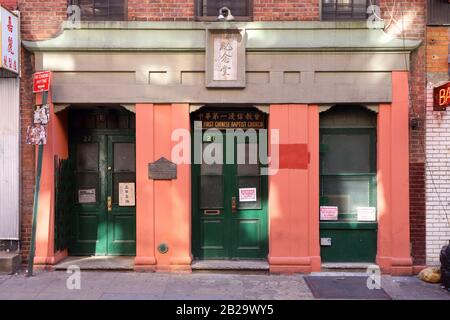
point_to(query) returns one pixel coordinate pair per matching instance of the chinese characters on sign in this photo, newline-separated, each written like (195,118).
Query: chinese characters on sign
(225,57)
(231,119)
(10,41)
(126,195)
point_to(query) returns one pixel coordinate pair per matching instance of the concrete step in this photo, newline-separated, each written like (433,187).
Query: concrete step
(99,263)
(233,266)
(350,267)
(10,262)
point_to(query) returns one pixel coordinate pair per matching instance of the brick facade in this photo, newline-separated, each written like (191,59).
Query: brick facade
(10,4)
(407,19)
(438,147)
(41,19)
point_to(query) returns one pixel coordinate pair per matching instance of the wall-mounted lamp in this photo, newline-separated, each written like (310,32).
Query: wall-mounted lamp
(225,14)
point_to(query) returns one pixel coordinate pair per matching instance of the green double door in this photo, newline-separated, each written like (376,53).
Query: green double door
(103,211)
(229,203)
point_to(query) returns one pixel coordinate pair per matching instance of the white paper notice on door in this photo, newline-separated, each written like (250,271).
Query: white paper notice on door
(329,213)
(86,196)
(366,213)
(247,195)
(126,194)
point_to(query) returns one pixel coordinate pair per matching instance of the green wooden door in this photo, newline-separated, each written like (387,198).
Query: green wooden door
(229,203)
(103,212)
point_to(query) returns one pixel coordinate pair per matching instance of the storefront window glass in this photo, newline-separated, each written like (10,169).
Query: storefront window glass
(348,160)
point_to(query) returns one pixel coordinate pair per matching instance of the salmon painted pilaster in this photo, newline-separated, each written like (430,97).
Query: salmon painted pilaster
(294,190)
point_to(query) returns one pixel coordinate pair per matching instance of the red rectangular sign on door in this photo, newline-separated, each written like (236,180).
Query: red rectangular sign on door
(41,81)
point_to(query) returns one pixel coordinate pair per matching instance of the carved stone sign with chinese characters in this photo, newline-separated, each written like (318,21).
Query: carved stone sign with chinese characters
(225,59)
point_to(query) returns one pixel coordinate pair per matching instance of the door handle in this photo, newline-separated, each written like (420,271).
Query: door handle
(233,205)
(109,204)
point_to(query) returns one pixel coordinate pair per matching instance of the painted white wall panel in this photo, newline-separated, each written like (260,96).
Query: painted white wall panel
(9,158)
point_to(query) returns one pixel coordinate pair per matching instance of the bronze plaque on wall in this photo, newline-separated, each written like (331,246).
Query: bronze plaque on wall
(162,169)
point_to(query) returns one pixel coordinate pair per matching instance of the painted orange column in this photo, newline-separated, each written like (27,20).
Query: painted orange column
(145,227)
(313,179)
(163,206)
(293,246)
(57,145)
(393,181)
(180,217)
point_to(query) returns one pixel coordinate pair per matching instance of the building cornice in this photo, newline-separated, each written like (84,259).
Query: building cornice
(137,36)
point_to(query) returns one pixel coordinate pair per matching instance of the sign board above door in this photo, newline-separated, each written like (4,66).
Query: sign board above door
(10,48)
(233,119)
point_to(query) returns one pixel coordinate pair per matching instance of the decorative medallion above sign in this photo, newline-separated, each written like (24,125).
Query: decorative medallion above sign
(162,169)
(225,59)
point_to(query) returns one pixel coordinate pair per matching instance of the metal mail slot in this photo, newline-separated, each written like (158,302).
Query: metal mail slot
(211,212)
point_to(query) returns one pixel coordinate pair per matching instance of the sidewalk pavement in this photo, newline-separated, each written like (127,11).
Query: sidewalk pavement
(98,285)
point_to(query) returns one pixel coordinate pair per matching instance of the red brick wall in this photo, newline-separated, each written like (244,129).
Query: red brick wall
(41,19)
(288,10)
(27,153)
(263,10)
(10,4)
(160,10)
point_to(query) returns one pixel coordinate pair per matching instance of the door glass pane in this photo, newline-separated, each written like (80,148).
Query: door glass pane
(87,187)
(124,157)
(212,159)
(346,192)
(247,159)
(346,153)
(211,192)
(87,157)
(247,187)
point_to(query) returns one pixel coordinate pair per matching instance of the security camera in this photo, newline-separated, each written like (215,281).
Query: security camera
(225,14)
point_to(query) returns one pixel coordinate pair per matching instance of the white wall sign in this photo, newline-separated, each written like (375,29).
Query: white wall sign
(126,194)
(86,196)
(10,41)
(366,213)
(247,194)
(329,213)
